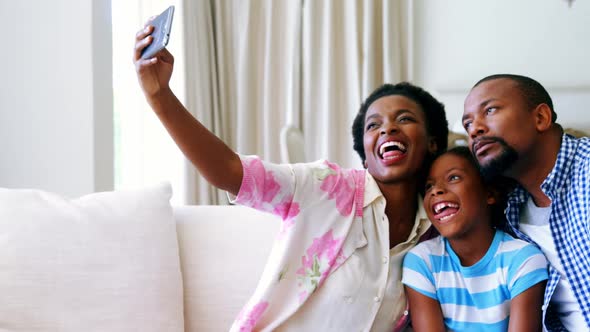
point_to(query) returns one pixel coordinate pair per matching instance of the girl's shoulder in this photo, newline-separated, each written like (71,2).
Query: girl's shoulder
(512,241)
(434,246)
(516,247)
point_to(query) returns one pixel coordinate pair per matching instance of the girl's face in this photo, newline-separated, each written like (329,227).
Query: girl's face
(455,199)
(395,139)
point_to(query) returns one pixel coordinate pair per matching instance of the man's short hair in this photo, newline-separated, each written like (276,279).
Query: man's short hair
(532,91)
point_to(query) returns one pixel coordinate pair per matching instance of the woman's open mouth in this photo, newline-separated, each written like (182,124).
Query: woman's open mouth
(392,150)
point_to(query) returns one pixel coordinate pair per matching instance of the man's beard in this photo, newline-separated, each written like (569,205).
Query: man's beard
(503,161)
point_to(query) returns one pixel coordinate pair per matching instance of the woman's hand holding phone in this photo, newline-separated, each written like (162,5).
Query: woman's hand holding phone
(153,62)
(153,73)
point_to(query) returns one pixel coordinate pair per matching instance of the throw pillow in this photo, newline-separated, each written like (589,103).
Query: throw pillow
(103,262)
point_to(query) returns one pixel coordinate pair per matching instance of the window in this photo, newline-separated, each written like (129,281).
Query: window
(144,152)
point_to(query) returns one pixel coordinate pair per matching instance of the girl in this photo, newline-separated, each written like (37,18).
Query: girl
(473,277)
(336,264)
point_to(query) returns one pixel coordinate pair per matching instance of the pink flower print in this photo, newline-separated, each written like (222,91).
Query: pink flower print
(252,317)
(321,257)
(255,173)
(261,190)
(339,189)
(287,210)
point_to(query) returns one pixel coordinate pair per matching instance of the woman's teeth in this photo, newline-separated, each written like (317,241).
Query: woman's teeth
(391,146)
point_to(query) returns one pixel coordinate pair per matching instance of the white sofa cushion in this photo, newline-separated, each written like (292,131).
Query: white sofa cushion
(104,262)
(223,250)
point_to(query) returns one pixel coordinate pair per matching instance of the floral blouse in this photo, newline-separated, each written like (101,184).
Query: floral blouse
(322,250)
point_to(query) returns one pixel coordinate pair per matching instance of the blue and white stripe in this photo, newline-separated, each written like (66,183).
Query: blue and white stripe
(475,298)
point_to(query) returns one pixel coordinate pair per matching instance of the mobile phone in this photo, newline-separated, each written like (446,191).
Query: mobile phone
(162,25)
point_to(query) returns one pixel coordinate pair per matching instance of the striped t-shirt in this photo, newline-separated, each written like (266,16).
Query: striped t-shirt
(477,297)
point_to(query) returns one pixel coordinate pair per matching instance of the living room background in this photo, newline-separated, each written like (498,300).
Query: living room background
(56,118)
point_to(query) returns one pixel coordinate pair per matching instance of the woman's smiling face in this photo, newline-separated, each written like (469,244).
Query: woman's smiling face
(395,139)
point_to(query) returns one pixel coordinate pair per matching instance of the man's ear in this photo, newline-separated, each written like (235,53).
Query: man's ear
(432,146)
(543,117)
(492,196)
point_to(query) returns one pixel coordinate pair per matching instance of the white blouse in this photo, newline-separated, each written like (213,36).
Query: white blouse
(331,268)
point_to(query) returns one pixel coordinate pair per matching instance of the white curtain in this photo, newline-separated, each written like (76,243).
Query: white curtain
(242,78)
(349,49)
(253,66)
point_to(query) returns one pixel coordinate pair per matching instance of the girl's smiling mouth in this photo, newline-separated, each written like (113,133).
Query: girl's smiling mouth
(443,211)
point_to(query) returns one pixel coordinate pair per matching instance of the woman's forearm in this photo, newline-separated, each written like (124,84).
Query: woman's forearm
(220,165)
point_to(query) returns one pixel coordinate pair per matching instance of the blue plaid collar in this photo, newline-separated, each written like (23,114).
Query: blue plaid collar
(556,177)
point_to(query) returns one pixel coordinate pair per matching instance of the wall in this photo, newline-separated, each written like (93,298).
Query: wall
(56,96)
(458,42)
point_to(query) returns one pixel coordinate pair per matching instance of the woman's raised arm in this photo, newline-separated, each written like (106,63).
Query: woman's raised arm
(212,157)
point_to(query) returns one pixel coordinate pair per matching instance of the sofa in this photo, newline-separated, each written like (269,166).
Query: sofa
(223,250)
(126,261)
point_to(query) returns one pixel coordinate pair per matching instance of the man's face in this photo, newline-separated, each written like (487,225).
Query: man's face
(500,126)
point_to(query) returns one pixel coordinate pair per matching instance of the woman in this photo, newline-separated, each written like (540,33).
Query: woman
(336,263)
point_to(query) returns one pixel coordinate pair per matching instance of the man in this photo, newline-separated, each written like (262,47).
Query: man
(513,132)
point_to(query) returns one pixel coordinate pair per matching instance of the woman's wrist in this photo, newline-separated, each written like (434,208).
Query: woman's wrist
(162,100)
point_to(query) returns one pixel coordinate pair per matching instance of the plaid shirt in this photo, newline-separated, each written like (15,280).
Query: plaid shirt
(568,187)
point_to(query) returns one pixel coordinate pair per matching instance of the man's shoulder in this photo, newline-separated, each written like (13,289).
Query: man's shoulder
(577,146)
(582,148)
(579,154)
(573,159)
